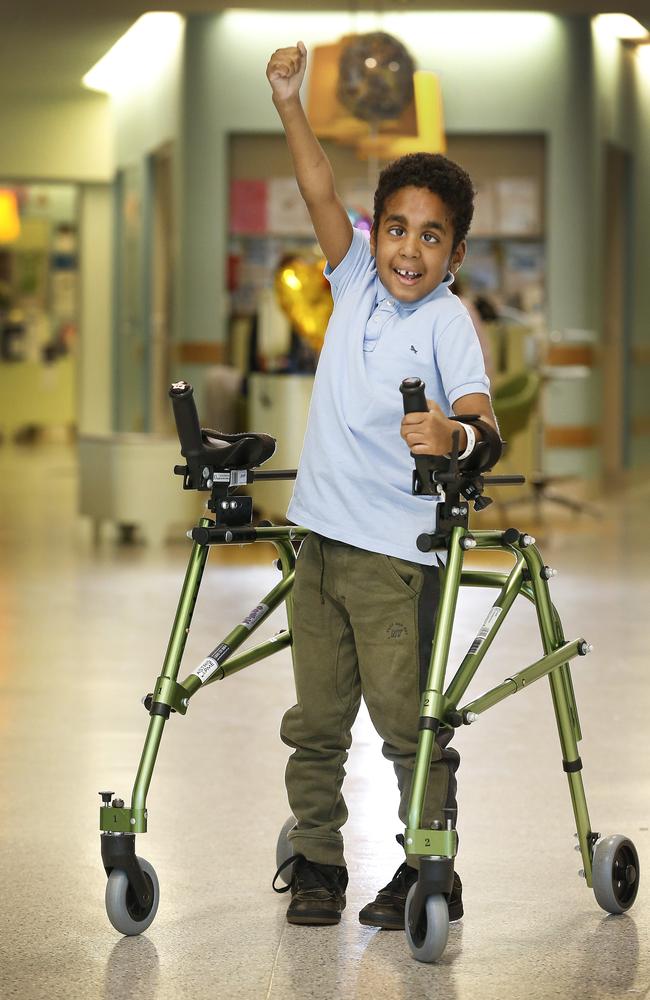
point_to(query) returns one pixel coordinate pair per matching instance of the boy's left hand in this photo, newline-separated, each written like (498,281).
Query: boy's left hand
(430,433)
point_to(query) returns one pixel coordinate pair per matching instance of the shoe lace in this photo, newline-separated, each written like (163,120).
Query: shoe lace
(402,879)
(308,875)
(404,876)
(285,864)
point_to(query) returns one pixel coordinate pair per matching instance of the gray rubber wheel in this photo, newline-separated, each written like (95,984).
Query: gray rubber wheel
(284,850)
(431,940)
(122,907)
(615,873)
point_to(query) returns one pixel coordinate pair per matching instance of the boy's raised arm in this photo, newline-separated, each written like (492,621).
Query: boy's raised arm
(332,226)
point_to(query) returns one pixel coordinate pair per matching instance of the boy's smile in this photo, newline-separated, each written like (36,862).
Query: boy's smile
(413,244)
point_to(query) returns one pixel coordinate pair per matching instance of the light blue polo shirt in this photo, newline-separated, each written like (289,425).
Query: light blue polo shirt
(355,472)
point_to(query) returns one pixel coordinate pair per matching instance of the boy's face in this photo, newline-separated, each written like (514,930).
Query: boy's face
(413,244)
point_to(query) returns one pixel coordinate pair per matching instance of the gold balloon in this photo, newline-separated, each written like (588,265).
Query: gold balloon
(304,295)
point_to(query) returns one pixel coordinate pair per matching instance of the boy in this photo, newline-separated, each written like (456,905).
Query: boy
(365,597)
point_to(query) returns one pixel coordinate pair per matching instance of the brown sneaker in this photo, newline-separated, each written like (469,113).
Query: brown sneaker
(387,909)
(317,892)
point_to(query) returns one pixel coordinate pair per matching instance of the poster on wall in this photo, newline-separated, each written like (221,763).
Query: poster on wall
(517,206)
(248,207)
(287,212)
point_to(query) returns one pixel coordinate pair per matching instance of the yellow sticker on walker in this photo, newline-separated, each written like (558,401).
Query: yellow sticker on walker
(482,634)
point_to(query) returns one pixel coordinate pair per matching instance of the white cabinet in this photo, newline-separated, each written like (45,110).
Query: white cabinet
(128,479)
(278,405)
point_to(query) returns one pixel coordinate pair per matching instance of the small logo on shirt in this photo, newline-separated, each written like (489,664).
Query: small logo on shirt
(396,630)
(413,349)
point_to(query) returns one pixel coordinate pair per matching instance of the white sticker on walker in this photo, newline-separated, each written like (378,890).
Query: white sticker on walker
(252,619)
(238,477)
(482,634)
(212,662)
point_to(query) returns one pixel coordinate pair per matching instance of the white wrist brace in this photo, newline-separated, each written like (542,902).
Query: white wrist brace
(471,441)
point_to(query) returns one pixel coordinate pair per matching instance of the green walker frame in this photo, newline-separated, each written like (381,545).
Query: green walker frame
(610,865)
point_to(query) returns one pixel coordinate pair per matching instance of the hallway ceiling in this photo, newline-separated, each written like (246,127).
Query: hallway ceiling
(46,47)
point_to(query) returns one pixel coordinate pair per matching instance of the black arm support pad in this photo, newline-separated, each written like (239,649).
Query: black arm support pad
(187,419)
(487,451)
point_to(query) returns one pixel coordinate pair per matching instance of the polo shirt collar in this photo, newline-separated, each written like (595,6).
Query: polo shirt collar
(382,294)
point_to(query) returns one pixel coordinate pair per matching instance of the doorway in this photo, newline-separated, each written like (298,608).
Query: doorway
(617,268)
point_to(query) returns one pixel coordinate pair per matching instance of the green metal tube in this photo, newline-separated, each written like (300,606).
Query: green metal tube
(287,557)
(470,664)
(241,632)
(563,705)
(279,533)
(420,779)
(147,761)
(583,823)
(265,649)
(186,605)
(567,680)
(432,705)
(523,678)
(176,645)
(444,625)
(490,540)
(488,578)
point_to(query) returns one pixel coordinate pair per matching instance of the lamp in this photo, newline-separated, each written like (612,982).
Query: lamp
(9,218)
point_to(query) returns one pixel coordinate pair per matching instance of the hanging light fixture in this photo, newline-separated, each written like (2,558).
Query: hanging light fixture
(9,218)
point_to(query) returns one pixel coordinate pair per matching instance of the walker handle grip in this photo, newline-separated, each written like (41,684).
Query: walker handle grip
(412,390)
(187,419)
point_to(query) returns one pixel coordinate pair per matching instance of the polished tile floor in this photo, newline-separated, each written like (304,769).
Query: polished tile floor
(83,634)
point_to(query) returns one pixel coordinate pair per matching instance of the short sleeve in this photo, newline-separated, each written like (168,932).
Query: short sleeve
(358,264)
(460,360)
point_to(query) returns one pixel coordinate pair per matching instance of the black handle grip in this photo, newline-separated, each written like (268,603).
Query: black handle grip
(186,417)
(412,390)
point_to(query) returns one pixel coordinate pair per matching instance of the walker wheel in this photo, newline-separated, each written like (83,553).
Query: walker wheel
(284,850)
(430,938)
(615,873)
(122,907)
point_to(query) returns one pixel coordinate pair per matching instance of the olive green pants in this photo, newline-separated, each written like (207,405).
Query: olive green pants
(363,625)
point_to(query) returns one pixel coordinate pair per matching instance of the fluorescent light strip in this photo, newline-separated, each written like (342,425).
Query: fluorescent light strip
(136,56)
(622,26)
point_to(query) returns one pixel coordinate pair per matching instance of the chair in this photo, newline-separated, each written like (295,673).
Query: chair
(514,402)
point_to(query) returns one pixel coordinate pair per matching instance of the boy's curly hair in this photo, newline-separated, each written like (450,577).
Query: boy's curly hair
(435,172)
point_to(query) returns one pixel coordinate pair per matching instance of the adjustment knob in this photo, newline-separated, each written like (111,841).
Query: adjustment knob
(424,543)
(106,797)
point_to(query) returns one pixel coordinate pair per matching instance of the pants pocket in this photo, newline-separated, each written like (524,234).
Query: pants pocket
(407,575)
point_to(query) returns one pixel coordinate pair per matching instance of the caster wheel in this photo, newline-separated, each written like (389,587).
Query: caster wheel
(122,907)
(430,940)
(615,873)
(284,851)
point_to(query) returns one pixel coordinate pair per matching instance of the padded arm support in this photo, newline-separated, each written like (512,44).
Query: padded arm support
(488,450)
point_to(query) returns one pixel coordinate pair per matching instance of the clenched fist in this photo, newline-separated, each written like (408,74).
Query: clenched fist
(286,70)
(430,433)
